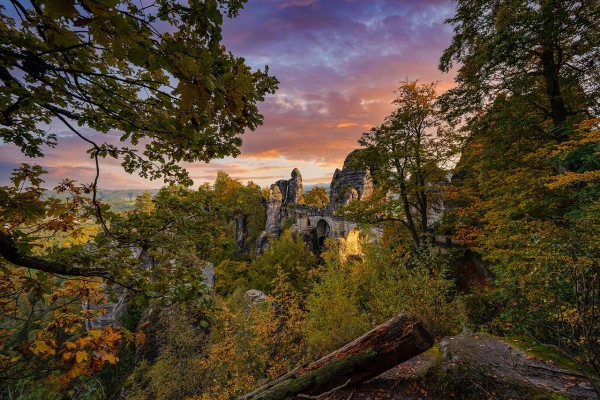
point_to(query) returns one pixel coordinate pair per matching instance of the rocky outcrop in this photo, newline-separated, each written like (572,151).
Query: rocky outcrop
(208,273)
(241,233)
(273,224)
(474,366)
(282,192)
(292,191)
(285,202)
(350,183)
(114,310)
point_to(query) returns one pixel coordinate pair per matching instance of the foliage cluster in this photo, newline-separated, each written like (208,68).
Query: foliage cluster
(413,150)
(254,343)
(352,296)
(317,197)
(526,189)
(157,251)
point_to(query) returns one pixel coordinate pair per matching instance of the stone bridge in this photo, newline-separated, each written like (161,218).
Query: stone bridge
(285,206)
(322,221)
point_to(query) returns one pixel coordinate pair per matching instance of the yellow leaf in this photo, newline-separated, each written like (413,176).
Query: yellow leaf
(112,335)
(95,333)
(42,347)
(76,370)
(81,356)
(140,338)
(70,345)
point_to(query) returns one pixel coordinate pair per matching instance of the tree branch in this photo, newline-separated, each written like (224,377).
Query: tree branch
(11,253)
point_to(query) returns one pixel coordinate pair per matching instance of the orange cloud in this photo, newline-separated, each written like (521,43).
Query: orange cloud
(346,124)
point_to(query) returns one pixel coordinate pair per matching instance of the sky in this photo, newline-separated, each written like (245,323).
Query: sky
(338,63)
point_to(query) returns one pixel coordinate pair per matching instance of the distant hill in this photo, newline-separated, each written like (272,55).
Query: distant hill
(308,188)
(123,194)
(122,200)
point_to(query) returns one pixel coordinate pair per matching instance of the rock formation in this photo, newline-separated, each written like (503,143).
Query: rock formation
(116,308)
(350,183)
(292,191)
(241,233)
(473,366)
(282,192)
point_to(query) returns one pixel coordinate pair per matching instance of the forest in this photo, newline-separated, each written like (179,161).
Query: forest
(482,212)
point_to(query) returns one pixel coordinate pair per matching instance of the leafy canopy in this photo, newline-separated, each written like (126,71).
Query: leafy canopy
(317,197)
(412,148)
(155,73)
(524,47)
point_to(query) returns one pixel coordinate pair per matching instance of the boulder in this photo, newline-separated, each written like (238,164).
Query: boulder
(254,297)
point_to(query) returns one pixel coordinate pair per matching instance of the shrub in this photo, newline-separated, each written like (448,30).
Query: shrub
(334,317)
(416,283)
(289,254)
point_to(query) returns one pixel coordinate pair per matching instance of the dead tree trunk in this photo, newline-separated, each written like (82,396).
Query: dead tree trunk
(391,343)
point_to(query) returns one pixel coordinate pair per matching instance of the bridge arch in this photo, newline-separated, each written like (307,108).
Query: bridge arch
(323,231)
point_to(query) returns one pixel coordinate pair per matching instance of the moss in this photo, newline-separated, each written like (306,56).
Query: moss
(548,353)
(292,384)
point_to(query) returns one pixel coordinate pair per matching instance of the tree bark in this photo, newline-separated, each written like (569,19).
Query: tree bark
(551,75)
(394,342)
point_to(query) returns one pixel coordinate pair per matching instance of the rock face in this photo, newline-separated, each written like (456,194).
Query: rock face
(491,356)
(349,184)
(114,310)
(273,224)
(241,232)
(208,273)
(292,191)
(282,192)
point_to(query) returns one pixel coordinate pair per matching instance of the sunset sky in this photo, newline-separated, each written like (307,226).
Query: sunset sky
(338,62)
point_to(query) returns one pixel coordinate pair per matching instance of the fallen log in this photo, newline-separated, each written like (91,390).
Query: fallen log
(385,346)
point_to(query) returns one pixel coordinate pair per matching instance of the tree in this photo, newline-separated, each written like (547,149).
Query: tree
(143,203)
(317,197)
(157,74)
(522,47)
(535,225)
(288,255)
(244,209)
(413,149)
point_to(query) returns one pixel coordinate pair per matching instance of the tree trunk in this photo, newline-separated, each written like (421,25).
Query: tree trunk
(395,341)
(410,222)
(551,75)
